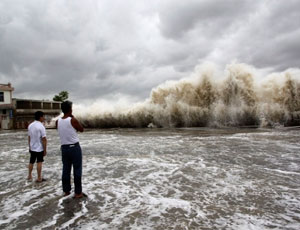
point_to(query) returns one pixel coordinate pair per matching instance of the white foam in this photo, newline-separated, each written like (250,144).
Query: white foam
(77,215)
(156,181)
(282,171)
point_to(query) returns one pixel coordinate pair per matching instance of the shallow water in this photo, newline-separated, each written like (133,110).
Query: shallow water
(158,179)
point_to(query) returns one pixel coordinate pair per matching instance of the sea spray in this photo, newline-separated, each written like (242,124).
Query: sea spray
(236,97)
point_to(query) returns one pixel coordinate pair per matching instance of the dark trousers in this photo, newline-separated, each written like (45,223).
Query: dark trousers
(71,156)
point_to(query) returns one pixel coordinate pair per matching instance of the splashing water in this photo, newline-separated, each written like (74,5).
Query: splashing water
(208,98)
(191,178)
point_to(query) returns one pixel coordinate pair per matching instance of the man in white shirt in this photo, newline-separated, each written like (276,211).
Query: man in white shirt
(37,142)
(67,127)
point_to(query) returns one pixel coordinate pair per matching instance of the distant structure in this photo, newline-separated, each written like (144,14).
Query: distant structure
(24,109)
(6,106)
(18,113)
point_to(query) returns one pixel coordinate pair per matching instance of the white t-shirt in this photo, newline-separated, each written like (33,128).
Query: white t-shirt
(36,131)
(66,131)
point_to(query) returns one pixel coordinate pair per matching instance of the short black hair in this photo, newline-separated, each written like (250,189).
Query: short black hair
(38,115)
(66,106)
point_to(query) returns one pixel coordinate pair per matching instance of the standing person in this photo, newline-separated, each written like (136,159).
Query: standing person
(70,150)
(37,142)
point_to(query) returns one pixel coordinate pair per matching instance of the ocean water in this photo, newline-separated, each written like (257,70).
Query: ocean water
(197,178)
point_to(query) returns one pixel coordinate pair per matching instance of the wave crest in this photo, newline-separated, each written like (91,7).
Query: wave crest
(237,97)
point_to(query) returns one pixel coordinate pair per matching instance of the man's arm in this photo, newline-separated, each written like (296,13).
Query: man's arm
(44,139)
(75,123)
(44,142)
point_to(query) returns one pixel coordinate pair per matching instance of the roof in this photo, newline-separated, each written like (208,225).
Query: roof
(35,100)
(6,87)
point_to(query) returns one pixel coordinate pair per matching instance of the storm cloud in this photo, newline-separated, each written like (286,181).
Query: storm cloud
(112,49)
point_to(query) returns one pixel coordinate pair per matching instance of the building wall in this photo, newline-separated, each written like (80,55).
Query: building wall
(18,113)
(6,110)
(7,97)
(24,110)
(6,121)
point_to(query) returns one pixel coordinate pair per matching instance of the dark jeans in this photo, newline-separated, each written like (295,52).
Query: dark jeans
(71,155)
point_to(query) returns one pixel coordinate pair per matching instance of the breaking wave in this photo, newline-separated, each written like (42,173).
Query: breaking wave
(238,96)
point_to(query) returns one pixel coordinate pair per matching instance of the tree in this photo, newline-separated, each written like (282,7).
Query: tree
(62,96)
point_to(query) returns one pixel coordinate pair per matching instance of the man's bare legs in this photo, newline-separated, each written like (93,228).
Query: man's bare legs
(30,167)
(39,171)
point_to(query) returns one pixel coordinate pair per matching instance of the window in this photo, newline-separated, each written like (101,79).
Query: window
(1,96)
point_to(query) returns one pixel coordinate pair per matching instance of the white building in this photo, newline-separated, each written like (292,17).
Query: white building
(6,106)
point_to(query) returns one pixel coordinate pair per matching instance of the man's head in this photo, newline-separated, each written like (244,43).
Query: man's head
(66,107)
(39,116)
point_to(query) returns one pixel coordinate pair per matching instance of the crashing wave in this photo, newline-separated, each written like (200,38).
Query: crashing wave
(236,97)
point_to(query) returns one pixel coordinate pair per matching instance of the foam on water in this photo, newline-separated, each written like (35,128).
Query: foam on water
(159,179)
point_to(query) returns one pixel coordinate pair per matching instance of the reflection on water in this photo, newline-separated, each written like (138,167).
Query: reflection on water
(159,179)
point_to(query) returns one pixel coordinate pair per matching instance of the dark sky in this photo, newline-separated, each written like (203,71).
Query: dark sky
(116,50)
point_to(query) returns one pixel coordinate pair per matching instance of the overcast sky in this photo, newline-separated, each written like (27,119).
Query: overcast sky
(112,49)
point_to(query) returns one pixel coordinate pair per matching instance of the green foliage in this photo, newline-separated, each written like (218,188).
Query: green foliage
(62,96)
